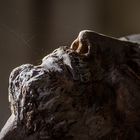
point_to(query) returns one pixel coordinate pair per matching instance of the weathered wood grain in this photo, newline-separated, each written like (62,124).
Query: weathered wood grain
(89,91)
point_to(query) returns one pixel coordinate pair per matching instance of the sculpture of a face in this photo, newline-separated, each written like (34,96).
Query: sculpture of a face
(85,92)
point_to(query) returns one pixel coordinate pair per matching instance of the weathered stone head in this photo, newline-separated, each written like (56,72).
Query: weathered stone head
(89,91)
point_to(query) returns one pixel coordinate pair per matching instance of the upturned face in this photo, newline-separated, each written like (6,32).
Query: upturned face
(78,92)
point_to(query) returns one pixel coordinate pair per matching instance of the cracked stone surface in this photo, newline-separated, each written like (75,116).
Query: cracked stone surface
(88,91)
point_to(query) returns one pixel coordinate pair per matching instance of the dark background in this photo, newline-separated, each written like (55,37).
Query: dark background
(30,29)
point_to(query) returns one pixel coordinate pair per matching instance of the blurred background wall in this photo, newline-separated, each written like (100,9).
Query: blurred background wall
(29,29)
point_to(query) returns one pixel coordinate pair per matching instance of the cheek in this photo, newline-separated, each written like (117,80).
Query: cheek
(128,104)
(121,99)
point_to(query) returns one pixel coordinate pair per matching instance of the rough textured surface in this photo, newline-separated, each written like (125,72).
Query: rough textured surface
(90,91)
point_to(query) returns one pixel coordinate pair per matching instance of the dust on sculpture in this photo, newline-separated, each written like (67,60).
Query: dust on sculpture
(90,91)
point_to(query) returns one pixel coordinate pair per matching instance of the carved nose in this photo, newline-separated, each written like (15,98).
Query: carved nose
(81,44)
